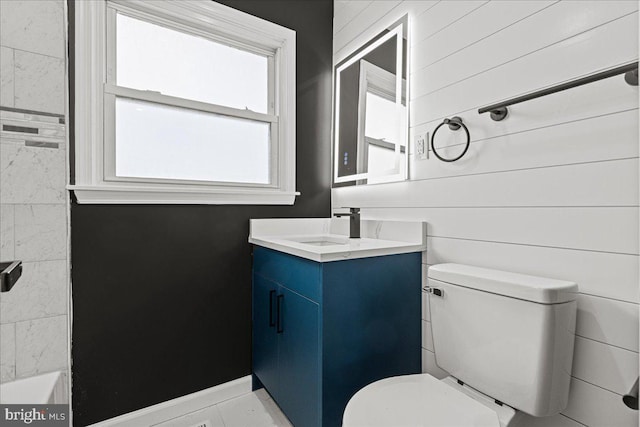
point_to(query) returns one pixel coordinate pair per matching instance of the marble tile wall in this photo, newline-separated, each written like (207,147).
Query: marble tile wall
(33,200)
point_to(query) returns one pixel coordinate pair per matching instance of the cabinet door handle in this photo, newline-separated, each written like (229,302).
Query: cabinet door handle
(279,328)
(271,321)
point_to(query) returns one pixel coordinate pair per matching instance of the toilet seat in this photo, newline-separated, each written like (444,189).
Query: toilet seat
(422,400)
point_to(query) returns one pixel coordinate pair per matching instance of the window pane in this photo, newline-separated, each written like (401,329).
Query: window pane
(155,58)
(381,120)
(380,159)
(157,141)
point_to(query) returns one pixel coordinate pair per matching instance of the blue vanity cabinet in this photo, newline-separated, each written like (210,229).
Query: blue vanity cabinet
(265,340)
(286,332)
(299,359)
(322,331)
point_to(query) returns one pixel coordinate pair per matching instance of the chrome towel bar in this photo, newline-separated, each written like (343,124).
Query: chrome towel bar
(499,110)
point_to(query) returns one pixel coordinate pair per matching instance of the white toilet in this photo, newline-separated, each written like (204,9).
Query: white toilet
(506,339)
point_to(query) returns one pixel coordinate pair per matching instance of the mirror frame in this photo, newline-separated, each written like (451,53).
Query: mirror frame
(398,29)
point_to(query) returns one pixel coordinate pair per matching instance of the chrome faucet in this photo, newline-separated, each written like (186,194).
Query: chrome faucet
(354,222)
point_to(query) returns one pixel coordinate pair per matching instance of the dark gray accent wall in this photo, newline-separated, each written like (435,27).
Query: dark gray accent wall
(162,294)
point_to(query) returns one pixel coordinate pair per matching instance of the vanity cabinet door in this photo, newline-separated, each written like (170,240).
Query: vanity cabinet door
(299,358)
(265,338)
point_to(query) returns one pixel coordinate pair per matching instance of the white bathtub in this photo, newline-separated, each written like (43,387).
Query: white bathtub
(44,389)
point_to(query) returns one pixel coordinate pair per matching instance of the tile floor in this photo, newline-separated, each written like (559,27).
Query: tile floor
(255,409)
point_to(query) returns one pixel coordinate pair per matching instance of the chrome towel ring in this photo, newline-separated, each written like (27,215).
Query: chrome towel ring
(455,123)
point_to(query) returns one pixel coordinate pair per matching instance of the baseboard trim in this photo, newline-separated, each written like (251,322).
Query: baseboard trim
(180,406)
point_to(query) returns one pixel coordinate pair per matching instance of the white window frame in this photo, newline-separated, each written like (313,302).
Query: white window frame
(378,81)
(95,94)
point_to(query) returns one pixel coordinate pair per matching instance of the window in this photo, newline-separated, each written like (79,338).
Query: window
(183,102)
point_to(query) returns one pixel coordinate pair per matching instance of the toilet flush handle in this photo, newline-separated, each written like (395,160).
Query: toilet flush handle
(434,291)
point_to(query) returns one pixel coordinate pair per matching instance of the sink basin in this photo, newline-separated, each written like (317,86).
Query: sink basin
(319,240)
(327,239)
(323,243)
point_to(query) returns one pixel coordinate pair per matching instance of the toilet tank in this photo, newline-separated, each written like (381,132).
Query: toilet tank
(507,335)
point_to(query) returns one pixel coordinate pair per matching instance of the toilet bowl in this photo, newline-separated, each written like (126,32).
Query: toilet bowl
(422,400)
(506,339)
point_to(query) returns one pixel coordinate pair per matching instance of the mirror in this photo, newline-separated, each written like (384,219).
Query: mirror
(370,111)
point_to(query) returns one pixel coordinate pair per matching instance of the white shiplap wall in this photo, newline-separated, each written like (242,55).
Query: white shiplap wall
(550,191)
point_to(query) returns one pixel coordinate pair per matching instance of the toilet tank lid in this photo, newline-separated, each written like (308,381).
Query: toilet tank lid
(521,286)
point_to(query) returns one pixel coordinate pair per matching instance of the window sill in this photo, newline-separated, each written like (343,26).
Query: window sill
(113,194)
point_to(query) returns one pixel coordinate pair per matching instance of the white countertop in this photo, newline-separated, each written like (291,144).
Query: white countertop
(378,237)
